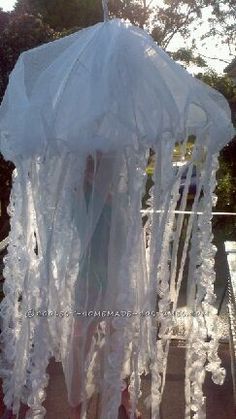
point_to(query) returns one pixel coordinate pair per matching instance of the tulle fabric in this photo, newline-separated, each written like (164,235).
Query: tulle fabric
(104,88)
(104,293)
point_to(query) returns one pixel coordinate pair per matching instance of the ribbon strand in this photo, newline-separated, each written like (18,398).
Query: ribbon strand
(105,10)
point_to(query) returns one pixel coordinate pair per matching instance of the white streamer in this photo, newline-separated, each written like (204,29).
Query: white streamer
(105,9)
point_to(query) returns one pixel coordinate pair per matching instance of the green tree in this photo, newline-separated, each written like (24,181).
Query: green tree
(188,56)
(181,17)
(6,169)
(67,14)
(177,16)
(222,83)
(4,19)
(63,14)
(136,11)
(165,22)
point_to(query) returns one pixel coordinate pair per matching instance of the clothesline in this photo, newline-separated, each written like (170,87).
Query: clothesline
(188,212)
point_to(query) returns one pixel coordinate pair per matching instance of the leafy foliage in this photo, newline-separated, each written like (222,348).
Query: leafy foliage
(165,22)
(175,17)
(6,169)
(136,11)
(223,84)
(223,20)
(4,20)
(187,56)
(63,14)
(66,14)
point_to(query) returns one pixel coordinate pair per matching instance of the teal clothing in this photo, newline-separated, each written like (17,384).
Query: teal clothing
(92,279)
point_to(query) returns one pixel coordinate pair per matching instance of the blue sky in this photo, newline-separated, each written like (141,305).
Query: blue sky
(210,49)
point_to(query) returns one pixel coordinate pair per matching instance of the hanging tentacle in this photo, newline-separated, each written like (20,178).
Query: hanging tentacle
(16,267)
(203,340)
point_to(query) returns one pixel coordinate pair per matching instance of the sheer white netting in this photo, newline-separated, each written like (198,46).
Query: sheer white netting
(78,119)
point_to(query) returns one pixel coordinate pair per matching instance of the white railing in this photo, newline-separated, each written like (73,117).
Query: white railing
(230,248)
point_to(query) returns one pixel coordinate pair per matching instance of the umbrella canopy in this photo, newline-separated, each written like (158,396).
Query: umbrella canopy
(78,119)
(105,87)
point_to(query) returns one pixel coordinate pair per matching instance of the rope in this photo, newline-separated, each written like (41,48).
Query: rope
(105,10)
(187,212)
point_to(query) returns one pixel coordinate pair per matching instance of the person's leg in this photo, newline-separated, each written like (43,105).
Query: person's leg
(75,412)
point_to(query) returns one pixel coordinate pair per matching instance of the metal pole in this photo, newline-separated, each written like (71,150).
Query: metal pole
(105,10)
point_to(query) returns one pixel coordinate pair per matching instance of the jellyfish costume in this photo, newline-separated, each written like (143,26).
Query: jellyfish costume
(86,280)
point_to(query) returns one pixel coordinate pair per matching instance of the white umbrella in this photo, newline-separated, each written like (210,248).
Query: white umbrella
(82,275)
